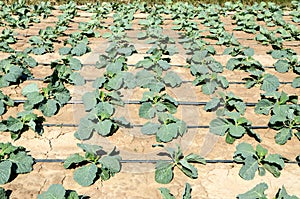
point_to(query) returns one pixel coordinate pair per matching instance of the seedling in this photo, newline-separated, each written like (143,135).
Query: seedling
(14,160)
(254,160)
(164,169)
(93,164)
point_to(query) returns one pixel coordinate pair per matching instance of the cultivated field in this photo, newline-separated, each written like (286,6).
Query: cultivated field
(133,101)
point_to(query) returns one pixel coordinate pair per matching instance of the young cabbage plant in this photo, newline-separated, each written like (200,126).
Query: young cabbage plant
(6,38)
(287,60)
(268,101)
(116,75)
(65,71)
(153,102)
(20,124)
(59,192)
(205,68)
(95,164)
(226,102)
(245,63)
(40,45)
(233,125)
(259,192)
(267,37)
(245,22)
(167,128)
(286,120)
(49,100)
(164,169)
(5,101)
(239,50)
(99,118)
(43,9)
(14,160)
(15,69)
(186,194)
(4,194)
(258,159)
(69,9)
(266,81)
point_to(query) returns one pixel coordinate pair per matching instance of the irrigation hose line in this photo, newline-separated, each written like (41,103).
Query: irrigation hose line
(183,81)
(212,44)
(183,103)
(133,65)
(140,126)
(150,161)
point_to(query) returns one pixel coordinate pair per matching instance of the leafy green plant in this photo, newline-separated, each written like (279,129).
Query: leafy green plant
(77,49)
(285,119)
(62,23)
(165,193)
(69,9)
(267,37)
(270,99)
(259,192)
(123,17)
(93,164)
(266,81)
(50,34)
(88,28)
(205,68)
(100,10)
(152,103)
(58,191)
(49,100)
(3,193)
(99,106)
(151,25)
(14,160)
(15,69)
(246,62)
(245,22)
(6,38)
(284,114)
(65,71)
(76,45)
(192,43)
(167,128)
(116,75)
(164,169)
(43,9)
(223,37)
(5,101)
(239,50)
(24,120)
(228,102)
(39,45)
(233,125)
(287,60)
(19,15)
(258,159)
(154,61)
(295,13)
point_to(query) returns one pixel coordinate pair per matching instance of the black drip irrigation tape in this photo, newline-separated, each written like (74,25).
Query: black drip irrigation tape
(140,126)
(131,37)
(133,65)
(183,81)
(183,103)
(150,161)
